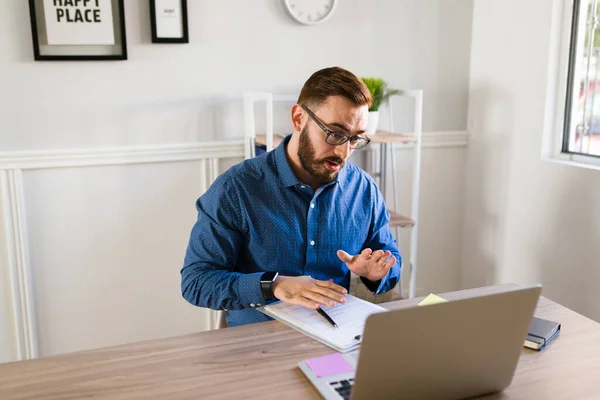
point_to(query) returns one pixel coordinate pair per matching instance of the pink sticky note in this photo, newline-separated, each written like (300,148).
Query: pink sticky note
(331,364)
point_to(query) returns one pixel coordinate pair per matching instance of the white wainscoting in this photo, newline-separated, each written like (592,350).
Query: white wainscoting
(18,274)
(92,240)
(32,321)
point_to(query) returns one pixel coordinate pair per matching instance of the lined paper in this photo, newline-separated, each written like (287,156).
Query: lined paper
(350,318)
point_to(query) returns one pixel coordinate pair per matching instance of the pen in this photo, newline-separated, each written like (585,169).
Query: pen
(327,317)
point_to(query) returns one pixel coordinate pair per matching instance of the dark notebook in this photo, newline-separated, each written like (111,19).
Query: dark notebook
(541,333)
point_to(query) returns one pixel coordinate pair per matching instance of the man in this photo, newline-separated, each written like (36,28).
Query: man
(293,223)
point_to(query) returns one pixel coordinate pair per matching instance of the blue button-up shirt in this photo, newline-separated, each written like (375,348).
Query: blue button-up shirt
(258,217)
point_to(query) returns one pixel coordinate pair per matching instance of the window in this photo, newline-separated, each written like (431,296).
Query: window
(581,128)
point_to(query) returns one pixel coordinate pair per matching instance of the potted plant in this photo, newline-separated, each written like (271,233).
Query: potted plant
(380,92)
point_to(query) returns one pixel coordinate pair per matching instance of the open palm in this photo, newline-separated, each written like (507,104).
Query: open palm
(373,265)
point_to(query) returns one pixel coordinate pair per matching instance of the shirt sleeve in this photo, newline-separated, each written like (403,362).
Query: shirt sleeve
(210,277)
(380,238)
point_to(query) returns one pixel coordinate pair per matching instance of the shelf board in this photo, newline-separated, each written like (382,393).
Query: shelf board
(397,220)
(390,137)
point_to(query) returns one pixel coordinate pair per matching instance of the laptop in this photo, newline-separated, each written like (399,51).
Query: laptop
(452,350)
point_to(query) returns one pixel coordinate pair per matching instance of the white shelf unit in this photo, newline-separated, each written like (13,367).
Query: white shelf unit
(386,140)
(250,99)
(387,152)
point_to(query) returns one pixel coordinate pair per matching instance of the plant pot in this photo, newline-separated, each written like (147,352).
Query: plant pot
(373,122)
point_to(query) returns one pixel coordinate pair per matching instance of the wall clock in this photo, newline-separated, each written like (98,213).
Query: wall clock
(310,12)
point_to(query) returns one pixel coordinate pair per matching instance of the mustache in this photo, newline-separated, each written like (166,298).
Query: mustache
(336,160)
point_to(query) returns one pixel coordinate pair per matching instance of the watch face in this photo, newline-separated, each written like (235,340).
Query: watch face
(310,12)
(268,276)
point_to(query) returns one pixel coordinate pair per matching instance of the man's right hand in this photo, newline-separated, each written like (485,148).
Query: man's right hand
(308,292)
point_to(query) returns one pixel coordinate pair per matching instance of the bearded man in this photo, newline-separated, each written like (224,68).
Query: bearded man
(293,223)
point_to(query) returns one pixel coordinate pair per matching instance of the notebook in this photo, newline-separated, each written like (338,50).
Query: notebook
(541,333)
(350,318)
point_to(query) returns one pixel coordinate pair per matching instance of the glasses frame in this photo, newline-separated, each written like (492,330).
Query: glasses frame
(359,140)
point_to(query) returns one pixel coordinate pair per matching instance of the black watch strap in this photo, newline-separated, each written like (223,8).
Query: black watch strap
(266,284)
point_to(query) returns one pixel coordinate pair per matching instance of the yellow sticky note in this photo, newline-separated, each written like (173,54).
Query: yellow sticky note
(432,299)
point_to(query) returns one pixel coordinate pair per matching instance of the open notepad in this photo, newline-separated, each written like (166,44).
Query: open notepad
(350,318)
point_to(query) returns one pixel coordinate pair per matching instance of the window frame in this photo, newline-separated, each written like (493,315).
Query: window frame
(560,107)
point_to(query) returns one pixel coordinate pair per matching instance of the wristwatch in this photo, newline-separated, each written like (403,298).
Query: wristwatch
(266,284)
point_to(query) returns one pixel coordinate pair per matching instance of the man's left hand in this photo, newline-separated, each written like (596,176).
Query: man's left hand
(373,265)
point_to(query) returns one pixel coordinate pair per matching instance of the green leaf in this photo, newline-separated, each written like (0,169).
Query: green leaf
(379,91)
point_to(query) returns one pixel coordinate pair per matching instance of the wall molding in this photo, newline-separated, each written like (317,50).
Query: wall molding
(66,158)
(13,226)
(16,254)
(440,139)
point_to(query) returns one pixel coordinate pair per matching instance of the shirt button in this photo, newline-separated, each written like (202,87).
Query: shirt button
(302,186)
(252,305)
(312,242)
(312,205)
(258,304)
(225,309)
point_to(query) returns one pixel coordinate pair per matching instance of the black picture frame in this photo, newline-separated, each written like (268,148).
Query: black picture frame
(184,24)
(44,52)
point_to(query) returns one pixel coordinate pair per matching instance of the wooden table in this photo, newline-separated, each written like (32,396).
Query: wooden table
(259,361)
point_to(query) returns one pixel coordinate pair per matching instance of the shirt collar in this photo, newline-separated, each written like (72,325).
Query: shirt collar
(286,174)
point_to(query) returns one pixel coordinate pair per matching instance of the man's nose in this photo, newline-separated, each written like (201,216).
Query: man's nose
(343,150)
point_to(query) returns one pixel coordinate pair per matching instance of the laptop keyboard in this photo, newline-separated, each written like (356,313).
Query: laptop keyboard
(343,387)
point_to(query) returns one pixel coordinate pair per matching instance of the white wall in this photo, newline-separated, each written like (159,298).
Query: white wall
(440,216)
(526,220)
(174,93)
(106,242)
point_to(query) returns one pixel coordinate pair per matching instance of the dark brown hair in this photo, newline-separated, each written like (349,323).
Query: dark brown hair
(334,81)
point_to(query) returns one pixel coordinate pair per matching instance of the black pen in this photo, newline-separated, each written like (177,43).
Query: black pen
(327,317)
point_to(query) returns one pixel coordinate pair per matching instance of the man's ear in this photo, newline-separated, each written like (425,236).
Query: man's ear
(297,115)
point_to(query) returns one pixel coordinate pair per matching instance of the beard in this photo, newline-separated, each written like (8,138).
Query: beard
(316,168)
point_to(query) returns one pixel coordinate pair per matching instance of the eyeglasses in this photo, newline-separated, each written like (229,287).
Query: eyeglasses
(335,138)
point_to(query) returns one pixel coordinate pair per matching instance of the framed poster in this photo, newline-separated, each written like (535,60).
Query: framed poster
(78,30)
(168,19)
